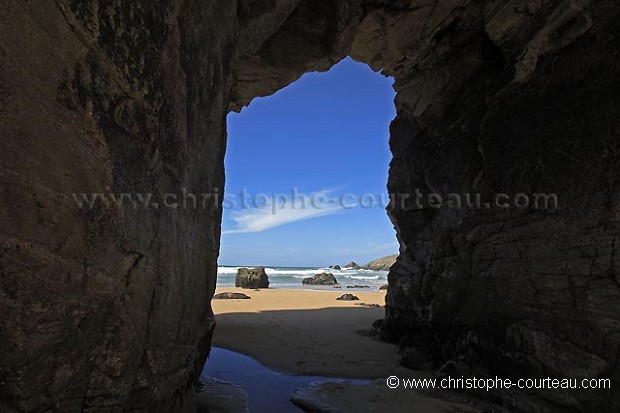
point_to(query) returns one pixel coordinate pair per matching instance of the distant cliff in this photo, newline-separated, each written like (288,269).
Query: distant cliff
(381,264)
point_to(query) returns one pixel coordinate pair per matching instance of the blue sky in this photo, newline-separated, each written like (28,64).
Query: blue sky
(324,136)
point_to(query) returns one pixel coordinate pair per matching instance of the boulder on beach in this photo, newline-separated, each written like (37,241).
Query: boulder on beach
(252,278)
(324,278)
(352,265)
(347,297)
(231,296)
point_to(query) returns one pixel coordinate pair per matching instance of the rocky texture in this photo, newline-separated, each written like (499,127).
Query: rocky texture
(252,278)
(416,360)
(335,267)
(219,396)
(231,296)
(347,297)
(358,286)
(347,397)
(108,308)
(507,97)
(352,265)
(323,278)
(381,264)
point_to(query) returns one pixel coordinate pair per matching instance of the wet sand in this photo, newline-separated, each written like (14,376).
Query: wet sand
(310,333)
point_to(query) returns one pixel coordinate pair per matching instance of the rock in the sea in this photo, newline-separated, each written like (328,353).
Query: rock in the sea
(252,278)
(347,297)
(384,287)
(358,286)
(352,265)
(231,296)
(381,264)
(324,278)
(335,267)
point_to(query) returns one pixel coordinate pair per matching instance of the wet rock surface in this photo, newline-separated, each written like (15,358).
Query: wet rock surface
(346,397)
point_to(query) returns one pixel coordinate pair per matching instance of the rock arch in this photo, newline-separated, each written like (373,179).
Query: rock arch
(108,308)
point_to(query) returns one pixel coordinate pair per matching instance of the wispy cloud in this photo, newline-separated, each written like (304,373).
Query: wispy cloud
(275,214)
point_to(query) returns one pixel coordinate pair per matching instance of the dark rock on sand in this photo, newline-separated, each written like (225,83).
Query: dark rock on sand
(358,286)
(347,297)
(324,278)
(377,327)
(231,296)
(384,287)
(252,278)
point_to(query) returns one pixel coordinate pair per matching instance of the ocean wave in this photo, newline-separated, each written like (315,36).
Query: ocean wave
(300,273)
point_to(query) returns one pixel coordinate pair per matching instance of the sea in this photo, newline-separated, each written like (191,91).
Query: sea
(290,277)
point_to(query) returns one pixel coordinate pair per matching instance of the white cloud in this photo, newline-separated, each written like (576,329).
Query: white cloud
(276,214)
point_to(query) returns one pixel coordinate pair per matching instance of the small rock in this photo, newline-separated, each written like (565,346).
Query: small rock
(358,286)
(384,287)
(347,297)
(377,327)
(352,265)
(368,305)
(231,296)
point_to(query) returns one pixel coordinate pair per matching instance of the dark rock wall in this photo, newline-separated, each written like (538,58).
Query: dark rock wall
(108,309)
(515,99)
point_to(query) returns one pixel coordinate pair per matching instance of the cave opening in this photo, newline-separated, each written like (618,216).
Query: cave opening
(305,167)
(108,308)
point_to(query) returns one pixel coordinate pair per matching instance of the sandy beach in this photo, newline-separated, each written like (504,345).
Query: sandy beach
(307,332)
(310,333)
